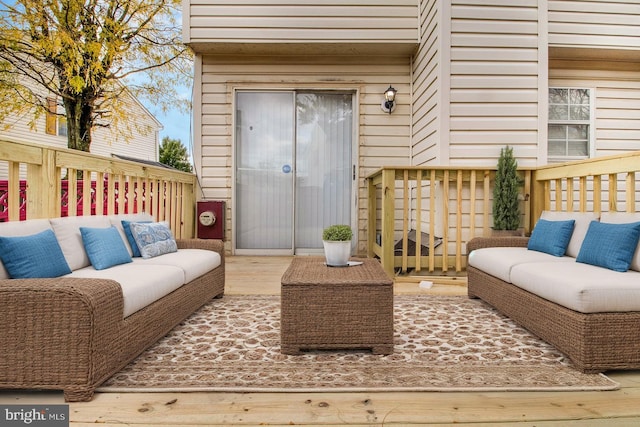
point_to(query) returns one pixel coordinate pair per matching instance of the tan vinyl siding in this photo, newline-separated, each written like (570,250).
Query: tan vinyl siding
(617,106)
(382,139)
(495,79)
(258,22)
(600,24)
(428,87)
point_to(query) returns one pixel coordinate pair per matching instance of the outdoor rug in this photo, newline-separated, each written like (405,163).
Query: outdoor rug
(442,343)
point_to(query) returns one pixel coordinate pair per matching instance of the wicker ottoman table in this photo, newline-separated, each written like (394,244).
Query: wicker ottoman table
(336,308)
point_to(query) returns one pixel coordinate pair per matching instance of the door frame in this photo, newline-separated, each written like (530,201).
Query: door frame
(355,92)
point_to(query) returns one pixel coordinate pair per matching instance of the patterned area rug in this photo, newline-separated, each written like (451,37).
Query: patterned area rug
(441,344)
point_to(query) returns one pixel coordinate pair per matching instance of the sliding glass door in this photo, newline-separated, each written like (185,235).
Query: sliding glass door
(294,169)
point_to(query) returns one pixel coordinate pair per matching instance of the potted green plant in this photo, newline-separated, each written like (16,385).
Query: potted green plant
(336,240)
(506,194)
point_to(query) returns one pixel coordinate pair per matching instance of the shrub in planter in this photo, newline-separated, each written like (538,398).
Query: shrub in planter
(506,192)
(336,240)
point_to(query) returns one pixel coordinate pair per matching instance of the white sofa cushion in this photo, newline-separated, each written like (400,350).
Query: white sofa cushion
(624,218)
(193,262)
(67,231)
(499,262)
(21,228)
(580,287)
(140,284)
(582,221)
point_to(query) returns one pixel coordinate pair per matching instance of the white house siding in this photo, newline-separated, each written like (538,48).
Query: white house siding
(429,63)
(382,139)
(496,72)
(244,23)
(609,24)
(142,142)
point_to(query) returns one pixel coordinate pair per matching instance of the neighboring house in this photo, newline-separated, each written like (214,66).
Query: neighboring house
(287,100)
(142,131)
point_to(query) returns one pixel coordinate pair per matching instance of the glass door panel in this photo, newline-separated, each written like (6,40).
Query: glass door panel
(264,170)
(324,129)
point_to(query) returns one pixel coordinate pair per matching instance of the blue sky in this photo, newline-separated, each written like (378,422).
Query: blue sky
(176,124)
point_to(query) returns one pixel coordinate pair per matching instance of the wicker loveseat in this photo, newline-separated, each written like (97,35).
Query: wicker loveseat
(590,313)
(73,332)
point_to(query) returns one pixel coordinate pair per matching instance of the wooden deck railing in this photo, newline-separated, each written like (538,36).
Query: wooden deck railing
(454,204)
(596,185)
(45,182)
(448,204)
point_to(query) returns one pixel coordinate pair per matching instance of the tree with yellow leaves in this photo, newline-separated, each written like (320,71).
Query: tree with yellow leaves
(86,53)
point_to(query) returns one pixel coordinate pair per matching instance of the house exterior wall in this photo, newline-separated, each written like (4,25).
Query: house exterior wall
(430,85)
(292,25)
(472,75)
(142,142)
(603,24)
(381,139)
(497,72)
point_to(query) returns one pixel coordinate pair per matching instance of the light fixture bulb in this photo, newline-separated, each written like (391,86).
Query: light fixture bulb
(390,94)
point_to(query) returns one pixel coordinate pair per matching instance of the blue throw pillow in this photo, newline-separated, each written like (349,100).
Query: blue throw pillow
(104,247)
(126,225)
(35,256)
(551,237)
(153,239)
(610,246)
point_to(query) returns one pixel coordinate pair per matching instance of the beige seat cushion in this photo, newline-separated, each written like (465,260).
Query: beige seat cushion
(140,284)
(580,287)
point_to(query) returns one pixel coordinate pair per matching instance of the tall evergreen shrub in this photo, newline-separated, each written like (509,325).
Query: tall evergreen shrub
(506,191)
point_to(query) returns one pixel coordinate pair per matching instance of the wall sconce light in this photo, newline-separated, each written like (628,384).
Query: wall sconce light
(388,105)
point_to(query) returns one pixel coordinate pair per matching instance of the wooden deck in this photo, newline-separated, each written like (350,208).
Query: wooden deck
(261,275)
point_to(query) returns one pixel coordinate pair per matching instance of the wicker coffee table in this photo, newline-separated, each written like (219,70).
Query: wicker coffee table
(336,308)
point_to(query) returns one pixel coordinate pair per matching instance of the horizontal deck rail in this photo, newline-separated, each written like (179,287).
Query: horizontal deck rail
(45,182)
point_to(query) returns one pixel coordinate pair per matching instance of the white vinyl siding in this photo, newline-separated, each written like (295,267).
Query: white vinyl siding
(610,24)
(256,23)
(428,87)
(141,144)
(381,139)
(494,81)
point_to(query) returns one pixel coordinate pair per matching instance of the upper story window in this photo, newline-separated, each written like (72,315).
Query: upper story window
(570,124)
(56,122)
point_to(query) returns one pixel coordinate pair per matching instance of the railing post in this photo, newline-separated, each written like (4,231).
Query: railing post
(537,197)
(388,214)
(43,187)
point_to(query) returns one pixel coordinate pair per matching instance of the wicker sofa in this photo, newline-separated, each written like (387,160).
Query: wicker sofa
(590,313)
(73,332)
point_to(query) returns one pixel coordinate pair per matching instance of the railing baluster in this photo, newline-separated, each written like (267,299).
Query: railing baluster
(472,204)
(432,220)
(14,191)
(630,192)
(459,221)
(445,222)
(613,192)
(486,182)
(583,193)
(405,219)
(419,220)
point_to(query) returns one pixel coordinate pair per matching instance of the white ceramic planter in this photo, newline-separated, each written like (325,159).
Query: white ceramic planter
(337,253)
